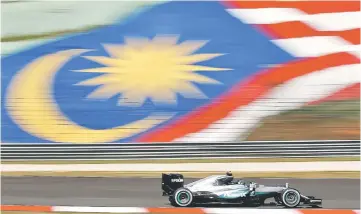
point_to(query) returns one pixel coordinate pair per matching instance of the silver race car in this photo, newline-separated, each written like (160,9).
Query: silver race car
(224,189)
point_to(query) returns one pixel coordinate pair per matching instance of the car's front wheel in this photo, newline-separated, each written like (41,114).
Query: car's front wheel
(290,198)
(182,197)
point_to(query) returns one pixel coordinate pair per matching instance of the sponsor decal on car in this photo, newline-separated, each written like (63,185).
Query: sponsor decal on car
(177,180)
(234,194)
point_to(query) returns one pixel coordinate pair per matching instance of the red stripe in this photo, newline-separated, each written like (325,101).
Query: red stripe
(298,29)
(243,94)
(348,93)
(310,7)
(26,208)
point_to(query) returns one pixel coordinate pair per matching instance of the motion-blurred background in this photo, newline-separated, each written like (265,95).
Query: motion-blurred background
(259,95)
(266,89)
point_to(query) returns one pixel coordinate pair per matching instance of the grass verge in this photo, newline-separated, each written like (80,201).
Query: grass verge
(331,120)
(48,34)
(123,174)
(165,161)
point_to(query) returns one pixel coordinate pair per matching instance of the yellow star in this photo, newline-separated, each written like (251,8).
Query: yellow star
(157,69)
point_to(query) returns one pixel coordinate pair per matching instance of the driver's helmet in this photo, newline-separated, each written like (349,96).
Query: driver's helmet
(241,182)
(229,173)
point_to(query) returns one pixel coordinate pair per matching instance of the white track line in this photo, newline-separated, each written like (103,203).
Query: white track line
(191,167)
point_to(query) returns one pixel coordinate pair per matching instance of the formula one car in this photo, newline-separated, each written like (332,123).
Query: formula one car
(223,189)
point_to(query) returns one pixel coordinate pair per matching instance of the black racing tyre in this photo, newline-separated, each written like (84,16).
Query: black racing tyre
(290,198)
(182,197)
(172,202)
(278,199)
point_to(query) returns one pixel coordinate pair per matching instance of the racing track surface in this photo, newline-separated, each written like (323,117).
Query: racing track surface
(145,192)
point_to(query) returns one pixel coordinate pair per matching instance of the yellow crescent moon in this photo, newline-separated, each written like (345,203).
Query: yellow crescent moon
(31,105)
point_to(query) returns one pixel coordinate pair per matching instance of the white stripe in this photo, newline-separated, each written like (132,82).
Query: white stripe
(99,209)
(185,167)
(322,22)
(291,95)
(316,46)
(248,211)
(335,21)
(267,15)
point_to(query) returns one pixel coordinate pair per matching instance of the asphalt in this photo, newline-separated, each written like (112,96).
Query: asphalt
(146,192)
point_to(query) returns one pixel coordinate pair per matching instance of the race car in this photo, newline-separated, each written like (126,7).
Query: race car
(224,189)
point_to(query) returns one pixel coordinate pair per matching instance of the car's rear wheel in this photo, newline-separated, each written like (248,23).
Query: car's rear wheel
(182,197)
(291,198)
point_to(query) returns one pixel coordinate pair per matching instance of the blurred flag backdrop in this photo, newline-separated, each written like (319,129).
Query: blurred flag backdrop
(182,71)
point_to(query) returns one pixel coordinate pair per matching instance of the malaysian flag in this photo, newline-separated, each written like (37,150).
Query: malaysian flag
(183,71)
(323,36)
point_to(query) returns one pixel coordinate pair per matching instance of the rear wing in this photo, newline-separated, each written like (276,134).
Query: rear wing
(171,182)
